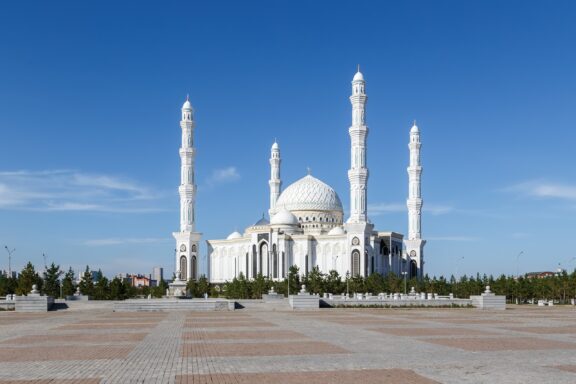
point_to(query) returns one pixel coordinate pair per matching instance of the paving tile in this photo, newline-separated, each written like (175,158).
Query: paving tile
(375,376)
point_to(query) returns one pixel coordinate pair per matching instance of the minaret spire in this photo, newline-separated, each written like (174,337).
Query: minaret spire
(414,201)
(187,240)
(358,173)
(275,181)
(414,244)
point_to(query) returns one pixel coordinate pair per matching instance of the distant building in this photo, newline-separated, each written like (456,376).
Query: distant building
(5,274)
(157,274)
(139,280)
(540,275)
(96,275)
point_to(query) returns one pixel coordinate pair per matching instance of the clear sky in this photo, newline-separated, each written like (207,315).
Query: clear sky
(90,97)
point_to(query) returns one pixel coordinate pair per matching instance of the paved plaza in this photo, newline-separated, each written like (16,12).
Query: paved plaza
(89,343)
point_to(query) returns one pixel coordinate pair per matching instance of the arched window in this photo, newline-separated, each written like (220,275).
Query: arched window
(194,268)
(247,265)
(254,262)
(193,247)
(283,265)
(274,262)
(306,261)
(183,268)
(355,263)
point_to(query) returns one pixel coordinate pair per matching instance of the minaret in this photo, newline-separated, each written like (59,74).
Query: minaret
(275,181)
(414,244)
(187,240)
(358,173)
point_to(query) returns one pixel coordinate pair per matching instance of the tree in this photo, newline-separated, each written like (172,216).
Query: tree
(117,289)
(86,284)
(259,286)
(375,284)
(52,281)
(7,285)
(315,281)
(68,283)
(293,279)
(203,286)
(102,289)
(26,279)
(333,283)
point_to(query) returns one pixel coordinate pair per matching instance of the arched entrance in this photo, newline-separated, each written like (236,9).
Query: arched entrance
(413,269)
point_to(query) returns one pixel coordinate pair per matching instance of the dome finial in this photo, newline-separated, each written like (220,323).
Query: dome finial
(309,170)
(358,76)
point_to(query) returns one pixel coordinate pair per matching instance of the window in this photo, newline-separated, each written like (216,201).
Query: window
(355,263)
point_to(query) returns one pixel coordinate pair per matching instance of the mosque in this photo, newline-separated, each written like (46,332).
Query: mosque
(307,226)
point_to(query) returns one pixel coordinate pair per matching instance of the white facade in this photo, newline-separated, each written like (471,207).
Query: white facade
(307,227)
(187,239)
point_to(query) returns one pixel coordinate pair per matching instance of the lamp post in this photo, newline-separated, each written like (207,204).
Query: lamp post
(404,273)
(10,252)
(347,287)
(518,264)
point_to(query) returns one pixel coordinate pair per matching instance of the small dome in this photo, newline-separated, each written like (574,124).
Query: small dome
(336,231)
(187,105)
(275,145)
(309,194)
(262,221)
(234,235)
(358,76)
(414,129)
(284,217)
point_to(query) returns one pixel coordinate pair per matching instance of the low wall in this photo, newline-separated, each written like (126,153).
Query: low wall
(7,305)
(304,302)
(396,303)
(152,305)
(489,302)
(33,303)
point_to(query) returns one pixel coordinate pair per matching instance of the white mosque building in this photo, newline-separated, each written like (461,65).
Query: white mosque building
(307,226)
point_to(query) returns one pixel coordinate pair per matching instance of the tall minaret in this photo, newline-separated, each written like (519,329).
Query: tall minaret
(275,181)
(414,244)
(187,240)
(358,173)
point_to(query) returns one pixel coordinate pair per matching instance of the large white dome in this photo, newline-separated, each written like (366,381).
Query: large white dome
(309,194)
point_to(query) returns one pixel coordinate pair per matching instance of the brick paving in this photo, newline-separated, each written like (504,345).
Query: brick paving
(89,343)
(372,376)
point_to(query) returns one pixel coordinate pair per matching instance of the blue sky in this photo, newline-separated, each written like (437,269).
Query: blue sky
(90,97)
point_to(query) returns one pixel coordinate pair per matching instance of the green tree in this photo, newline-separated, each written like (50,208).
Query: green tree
(202,287)
(86,284)
(117,289)
(52,280)
(333,283)
(375,283)
(315,281)
(68,283)
(293,279)
(26,279)
(259,286)
(7,285)
(102,288)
